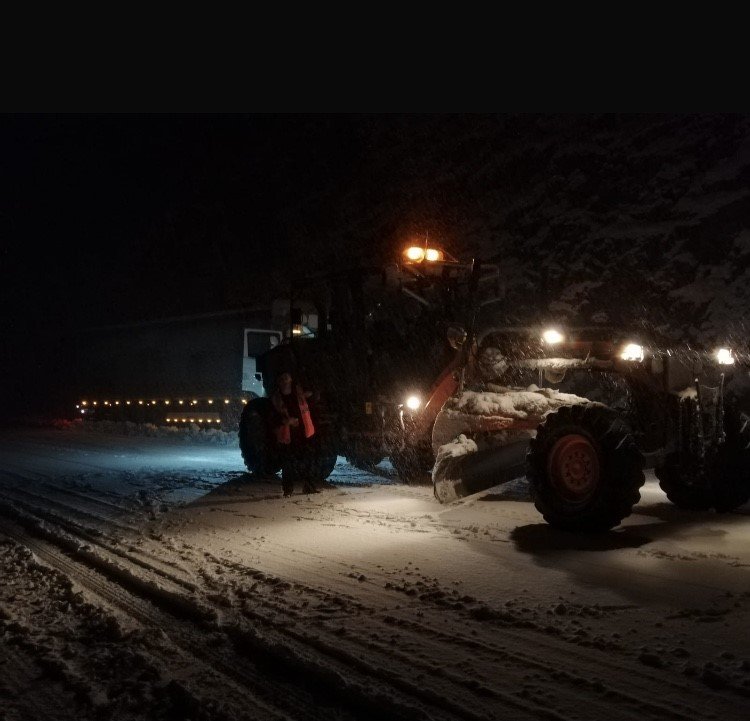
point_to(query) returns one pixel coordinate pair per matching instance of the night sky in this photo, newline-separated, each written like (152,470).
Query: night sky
(109,219)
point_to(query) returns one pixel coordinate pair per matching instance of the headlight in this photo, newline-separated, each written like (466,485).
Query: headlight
(552,336)
(415,253)
(413,403)
(724,357)
(632,352)
(433,255)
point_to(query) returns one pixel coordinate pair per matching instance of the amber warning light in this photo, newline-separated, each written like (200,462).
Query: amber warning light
(416,254)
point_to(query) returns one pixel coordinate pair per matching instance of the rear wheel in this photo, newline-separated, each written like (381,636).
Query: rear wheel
(256,443)
(683,484)
(323,459)
(731,474)
(310,464)
(584,468)
(721,480)
(324,445)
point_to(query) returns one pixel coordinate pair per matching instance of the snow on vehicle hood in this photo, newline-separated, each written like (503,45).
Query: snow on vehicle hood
(511,402)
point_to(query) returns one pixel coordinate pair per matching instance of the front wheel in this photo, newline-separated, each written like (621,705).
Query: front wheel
(311,463)
(322,453)
(731,476)
(257,445)
(584,468)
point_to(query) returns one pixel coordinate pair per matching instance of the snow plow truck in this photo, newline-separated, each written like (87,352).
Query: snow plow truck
(400,368)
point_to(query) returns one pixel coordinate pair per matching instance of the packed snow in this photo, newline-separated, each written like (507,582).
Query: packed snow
(461,446)
(150,577)
(511,402)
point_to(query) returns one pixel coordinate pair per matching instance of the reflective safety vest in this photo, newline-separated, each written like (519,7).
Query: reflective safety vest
(284,432)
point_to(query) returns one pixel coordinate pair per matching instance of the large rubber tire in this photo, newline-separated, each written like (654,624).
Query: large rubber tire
(730,477)
(317,460)
(413,465)
(231,413)
(584,468)
(323,460)
(682,485)
(725,482)
(256,443)
(312,464)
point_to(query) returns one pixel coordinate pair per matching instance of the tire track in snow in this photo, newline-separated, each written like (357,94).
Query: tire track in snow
(18,674)
(283,649)
(31,451)
(410,664)
(268,699)
(92,499)
(53,504)
(595,668)
(317,657)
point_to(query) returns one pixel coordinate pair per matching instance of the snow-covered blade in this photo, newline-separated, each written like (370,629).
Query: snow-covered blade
(494,427)
(444,489)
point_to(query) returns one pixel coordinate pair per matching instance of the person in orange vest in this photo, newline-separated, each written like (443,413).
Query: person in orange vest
(293,429)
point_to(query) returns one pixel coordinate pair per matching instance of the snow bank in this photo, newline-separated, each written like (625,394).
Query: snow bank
(190,433)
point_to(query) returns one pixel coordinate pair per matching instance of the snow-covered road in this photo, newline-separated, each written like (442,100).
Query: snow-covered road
(151,578)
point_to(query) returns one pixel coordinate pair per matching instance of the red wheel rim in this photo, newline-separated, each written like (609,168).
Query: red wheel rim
(573,467)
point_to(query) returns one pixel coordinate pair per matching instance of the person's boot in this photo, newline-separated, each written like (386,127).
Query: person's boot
(288,476)
(309,487)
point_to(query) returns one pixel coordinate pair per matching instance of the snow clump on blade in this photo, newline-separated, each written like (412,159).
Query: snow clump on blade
(461,446)
(511,402)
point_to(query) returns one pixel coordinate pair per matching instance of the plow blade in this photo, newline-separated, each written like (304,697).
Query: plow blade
(473,472)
